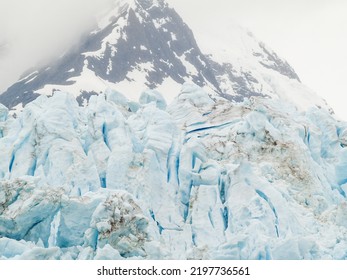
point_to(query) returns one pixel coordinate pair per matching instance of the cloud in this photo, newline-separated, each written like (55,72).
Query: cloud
(3,49)
(309,34)
(34,31)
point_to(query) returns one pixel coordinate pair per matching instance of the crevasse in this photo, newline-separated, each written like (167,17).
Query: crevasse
(199,178)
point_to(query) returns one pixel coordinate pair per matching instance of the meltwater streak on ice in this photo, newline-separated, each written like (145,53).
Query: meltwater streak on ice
(195,179)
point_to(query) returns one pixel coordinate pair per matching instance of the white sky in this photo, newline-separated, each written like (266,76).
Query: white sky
(310,34)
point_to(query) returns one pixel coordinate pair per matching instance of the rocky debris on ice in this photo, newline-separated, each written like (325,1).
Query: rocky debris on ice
(199,178)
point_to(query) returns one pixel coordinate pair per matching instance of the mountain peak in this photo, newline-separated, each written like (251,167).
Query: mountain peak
(121,7)
(202,177)
(145,44)
(140,4)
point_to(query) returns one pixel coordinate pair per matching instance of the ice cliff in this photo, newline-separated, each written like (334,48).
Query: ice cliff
(199,178)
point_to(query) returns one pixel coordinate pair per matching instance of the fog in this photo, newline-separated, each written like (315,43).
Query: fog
(33,32)
(310,34)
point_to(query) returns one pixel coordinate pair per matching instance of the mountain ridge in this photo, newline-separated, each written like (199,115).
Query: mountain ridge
(146,44)
(251,164)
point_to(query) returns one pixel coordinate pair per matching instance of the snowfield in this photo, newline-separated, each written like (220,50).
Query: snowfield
(200,178)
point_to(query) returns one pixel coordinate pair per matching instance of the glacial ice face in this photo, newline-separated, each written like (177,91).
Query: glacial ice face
(48,219)
(199,178)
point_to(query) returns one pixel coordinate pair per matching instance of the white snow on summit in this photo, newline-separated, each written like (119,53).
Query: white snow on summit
(145,44)
(237,47)
(216,150)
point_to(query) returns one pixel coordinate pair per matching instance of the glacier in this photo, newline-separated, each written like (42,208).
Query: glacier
(199,178)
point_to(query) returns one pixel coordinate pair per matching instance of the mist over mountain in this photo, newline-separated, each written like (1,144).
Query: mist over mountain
(143,142)
(140,45)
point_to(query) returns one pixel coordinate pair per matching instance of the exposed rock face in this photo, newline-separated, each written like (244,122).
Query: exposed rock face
(146,45)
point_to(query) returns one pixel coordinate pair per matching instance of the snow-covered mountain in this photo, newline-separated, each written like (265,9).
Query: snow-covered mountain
(143,44)
(236,159)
